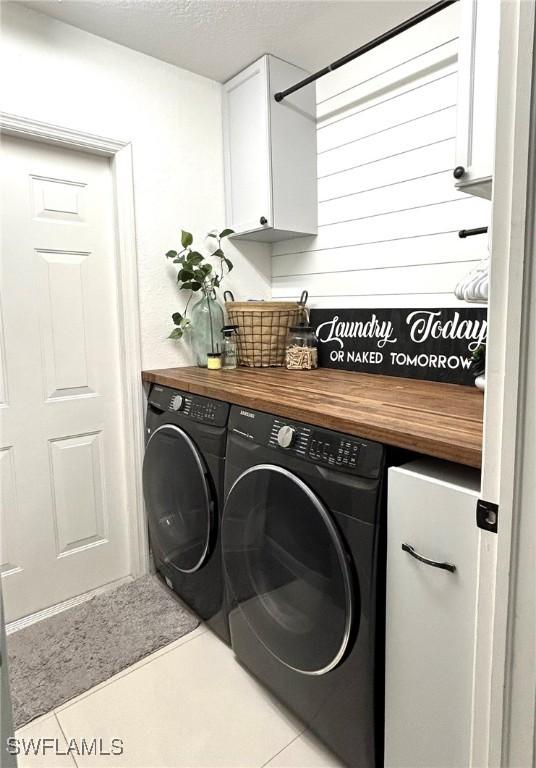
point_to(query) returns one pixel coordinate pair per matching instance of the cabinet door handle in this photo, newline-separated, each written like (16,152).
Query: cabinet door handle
(458,172)
(444,566)
(263,220)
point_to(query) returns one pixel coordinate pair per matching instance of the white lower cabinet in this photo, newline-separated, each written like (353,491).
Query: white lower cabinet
(430,620)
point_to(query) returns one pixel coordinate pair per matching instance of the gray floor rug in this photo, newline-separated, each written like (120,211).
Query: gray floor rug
(62,656)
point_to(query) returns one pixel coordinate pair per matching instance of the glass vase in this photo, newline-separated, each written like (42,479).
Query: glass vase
(207,320)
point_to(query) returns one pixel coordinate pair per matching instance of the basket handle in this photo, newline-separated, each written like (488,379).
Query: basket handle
(304,312)
(228,293)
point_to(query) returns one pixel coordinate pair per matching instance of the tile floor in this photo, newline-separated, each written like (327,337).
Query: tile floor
(189,705)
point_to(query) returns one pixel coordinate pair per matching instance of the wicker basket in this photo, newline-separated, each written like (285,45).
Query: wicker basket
(262,328)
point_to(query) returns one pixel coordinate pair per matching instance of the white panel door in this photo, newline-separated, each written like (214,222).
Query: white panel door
(63,514)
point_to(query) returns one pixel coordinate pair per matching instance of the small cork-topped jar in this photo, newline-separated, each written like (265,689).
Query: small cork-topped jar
(302,348)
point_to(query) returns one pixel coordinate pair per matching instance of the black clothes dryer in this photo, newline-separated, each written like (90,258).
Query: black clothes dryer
(303,551)
(183,476)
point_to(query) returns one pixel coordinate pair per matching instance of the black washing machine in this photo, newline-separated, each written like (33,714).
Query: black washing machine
(303,550)
(183,477)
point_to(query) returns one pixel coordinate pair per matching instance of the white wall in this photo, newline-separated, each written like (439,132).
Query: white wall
(58,74)
(388,210)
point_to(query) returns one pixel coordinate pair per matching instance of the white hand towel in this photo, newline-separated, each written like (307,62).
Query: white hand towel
(474,286)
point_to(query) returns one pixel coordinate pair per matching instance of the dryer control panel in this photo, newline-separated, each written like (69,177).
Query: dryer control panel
(322,447)
(334,450)
(330,449)
(306,442)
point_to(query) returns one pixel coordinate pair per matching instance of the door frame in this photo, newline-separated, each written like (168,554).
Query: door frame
(504,683)
(120,154)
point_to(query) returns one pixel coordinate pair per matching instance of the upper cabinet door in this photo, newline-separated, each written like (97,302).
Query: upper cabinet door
(270,153)
(478,59)
(247,149)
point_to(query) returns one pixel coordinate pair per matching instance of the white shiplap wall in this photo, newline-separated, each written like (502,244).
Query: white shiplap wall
(388,210)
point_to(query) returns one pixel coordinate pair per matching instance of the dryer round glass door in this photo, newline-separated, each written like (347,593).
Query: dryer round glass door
(178,499)
(287,568)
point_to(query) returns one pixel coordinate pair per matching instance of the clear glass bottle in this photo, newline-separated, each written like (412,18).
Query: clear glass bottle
(301,348)
(206,320)
(229,347)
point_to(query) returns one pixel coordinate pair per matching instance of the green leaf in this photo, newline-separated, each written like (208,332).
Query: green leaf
(212,234)
(195,258)
(186,238)
(177,318)
(176,333)
(192,285)
(171,254)
(218,253)
(185,274)
(206,268)
(228,263)
(226,233)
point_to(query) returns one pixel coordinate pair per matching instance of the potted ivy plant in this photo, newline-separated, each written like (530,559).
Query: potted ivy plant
(478,366)
(200,275)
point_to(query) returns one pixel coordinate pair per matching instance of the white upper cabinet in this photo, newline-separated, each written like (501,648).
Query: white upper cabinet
(246,120)
(270,153)
(478,58)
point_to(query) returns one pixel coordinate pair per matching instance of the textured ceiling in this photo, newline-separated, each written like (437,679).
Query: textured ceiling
(217,38)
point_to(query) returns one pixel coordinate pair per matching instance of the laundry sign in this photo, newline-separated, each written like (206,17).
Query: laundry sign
(433,344)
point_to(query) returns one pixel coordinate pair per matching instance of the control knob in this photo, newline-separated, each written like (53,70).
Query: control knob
(177,403)
(285,436)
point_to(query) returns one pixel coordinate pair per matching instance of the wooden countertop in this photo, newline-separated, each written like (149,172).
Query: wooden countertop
(443,420)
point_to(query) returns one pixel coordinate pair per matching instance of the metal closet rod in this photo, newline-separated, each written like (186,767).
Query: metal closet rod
(367,47)
(470,232)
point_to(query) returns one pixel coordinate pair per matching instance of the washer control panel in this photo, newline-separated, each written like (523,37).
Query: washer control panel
(183,404)
(177,403)
(201,409)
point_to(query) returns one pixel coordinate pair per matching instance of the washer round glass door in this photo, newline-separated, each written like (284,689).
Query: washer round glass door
(287,568)
(177,498)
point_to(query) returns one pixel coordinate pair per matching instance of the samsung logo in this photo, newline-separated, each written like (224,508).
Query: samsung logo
(248,414)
